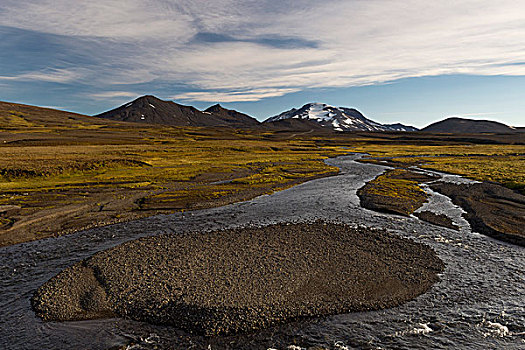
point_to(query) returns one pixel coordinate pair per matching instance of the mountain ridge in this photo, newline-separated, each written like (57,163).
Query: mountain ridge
(231,115)
(317,117)
(152,110)
(336,118)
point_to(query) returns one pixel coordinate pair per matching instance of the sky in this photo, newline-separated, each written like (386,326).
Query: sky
(411,61)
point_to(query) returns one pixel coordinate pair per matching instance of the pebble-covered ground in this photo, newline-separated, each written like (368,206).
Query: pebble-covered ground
(243,279)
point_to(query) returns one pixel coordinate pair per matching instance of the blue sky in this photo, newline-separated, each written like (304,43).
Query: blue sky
(412,61)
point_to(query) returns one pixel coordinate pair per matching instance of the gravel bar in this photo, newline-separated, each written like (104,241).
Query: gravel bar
(242,279)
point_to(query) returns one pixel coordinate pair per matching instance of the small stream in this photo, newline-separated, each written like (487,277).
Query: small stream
(479,302)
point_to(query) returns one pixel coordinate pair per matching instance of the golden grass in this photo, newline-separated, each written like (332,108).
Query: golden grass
(49,167)
(391,191)
(499,163)
(59,185)
(390,184)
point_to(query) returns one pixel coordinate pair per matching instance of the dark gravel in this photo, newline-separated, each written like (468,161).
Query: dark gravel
(491,209)
(437,219)
(242,279)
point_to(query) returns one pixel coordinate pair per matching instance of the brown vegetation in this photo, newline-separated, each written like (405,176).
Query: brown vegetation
(490,209)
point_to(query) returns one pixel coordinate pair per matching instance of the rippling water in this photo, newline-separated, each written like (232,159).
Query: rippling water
(478,304)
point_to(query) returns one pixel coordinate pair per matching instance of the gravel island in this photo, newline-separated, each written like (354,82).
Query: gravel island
(242,279)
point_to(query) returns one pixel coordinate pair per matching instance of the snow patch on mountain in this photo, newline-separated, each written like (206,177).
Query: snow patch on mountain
(338,118)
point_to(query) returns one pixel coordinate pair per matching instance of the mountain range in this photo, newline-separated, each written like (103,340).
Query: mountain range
(311,117)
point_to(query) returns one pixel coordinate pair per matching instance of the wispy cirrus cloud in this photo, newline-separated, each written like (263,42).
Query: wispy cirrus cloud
(232,96)
(112,94)
(115,19)
(47,75)
(228,50)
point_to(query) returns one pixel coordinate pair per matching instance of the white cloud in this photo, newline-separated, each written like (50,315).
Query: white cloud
(54,107)
(357,42)
(117,19)
(48,75)
(112,94)
(233,96)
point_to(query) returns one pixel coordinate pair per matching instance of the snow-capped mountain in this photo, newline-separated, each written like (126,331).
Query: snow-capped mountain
(337,118)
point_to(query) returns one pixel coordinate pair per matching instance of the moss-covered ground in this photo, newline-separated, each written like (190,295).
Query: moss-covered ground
(66,172)
(396,191)
(504,164)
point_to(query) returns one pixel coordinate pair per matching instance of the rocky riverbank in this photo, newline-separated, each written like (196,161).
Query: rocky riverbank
(491,209)
(242,279)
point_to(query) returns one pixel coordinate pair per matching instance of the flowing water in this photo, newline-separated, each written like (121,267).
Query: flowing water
(479,302)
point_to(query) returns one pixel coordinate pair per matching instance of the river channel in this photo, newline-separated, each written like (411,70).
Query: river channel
(479,302)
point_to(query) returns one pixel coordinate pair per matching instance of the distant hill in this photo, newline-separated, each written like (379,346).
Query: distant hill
(334,118)
(16,116)
(468,126)
(152,110)
(32,125)
(231,116)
